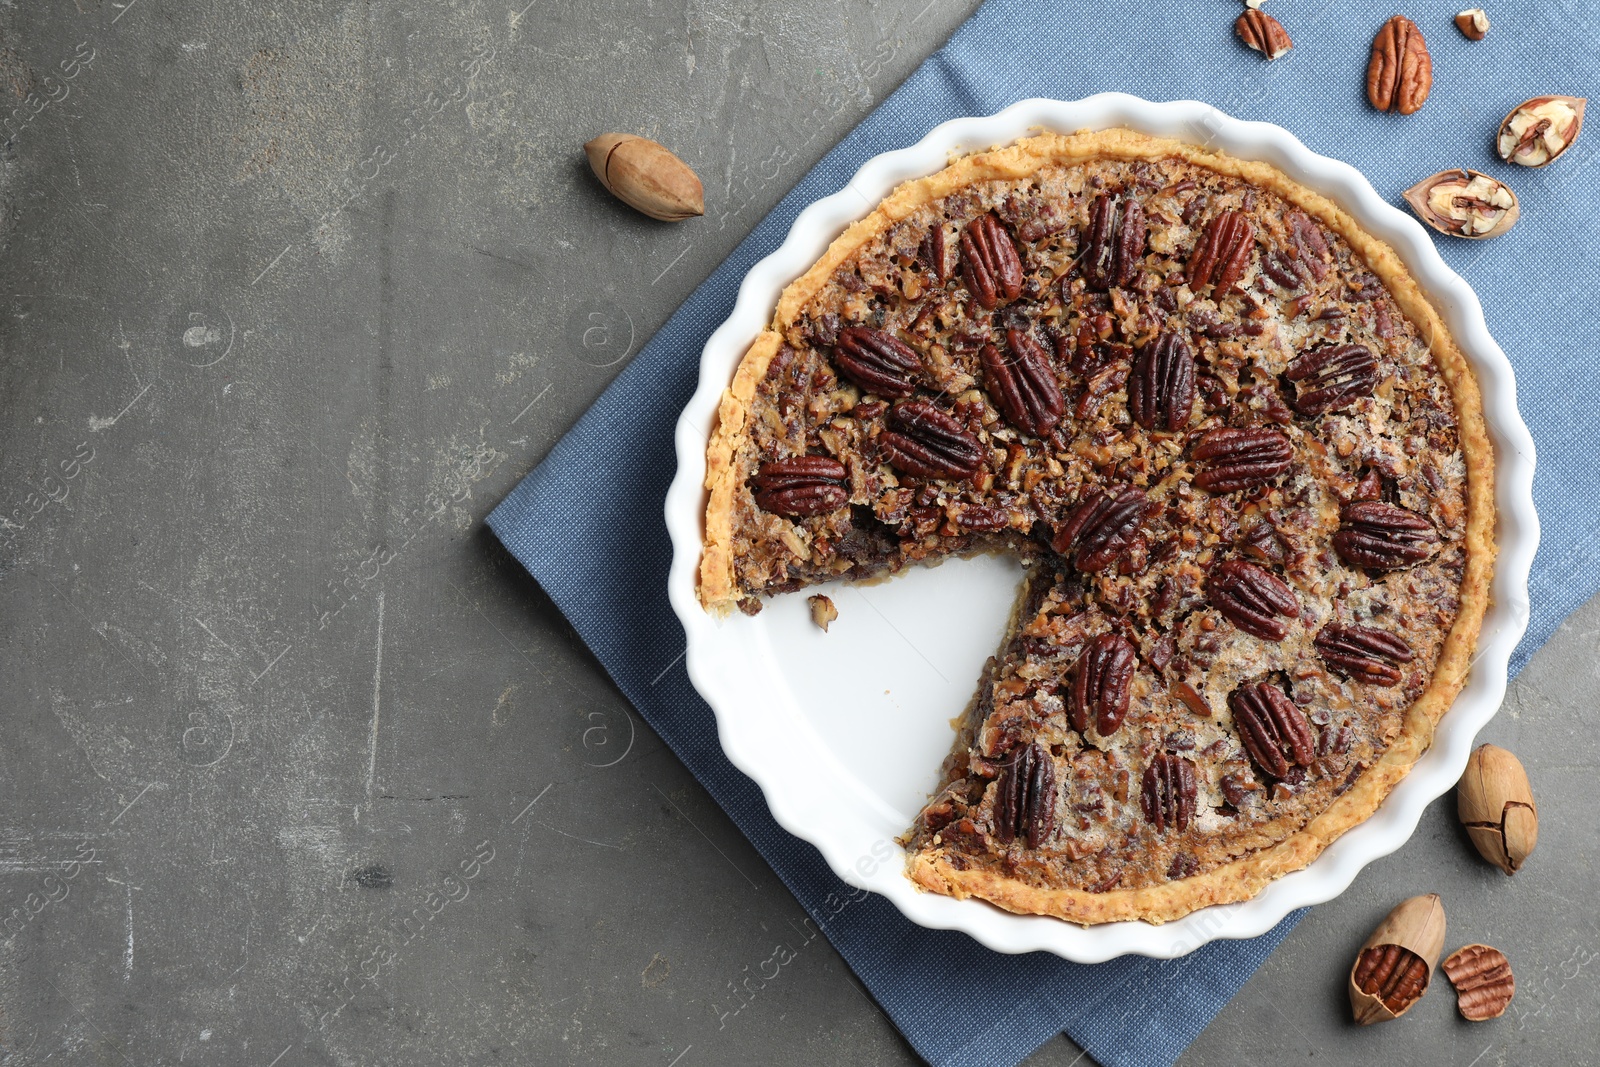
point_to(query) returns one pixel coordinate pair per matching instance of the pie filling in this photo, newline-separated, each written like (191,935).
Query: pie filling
(1227,456)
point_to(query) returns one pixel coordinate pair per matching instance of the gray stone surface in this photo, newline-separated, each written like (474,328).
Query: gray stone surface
(290,295)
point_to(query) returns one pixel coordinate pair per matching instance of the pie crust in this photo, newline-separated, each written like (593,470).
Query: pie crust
(972,863)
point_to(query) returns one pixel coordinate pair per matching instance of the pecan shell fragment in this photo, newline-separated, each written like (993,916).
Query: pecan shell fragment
(1400,73)
(1100,528)
(1483,980)
(1252,598)
(1026,804)
(1241,458)
(1364,653)
(1100,690)
(1116,242)
(1383,537)
(1223,254)
(1024,383)
(1330,377)
(1161,388)
(926,440)
(989,262)
(877,361)
(801,486)
(1272,727)
(1168,791)
(1395,963)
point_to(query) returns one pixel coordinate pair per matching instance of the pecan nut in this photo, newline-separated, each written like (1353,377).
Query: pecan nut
(931,253)
(1483,980)
(1101,527)
(1392,974)
(1465,203)
(989,262)
(1168,791)
(1383,537)
(1026,803)
(1365,653)
(1116,241)
(1400,72)
(1100,690)
(1330,377)
(1539,130)
(1396,961)
(1241,458)
(1263,33)
(1223,253)
(801,486)
(1473,23)
(1274,730)
(1024,384)
(1252,598)
(1161,388)
(877,361)
(926,440)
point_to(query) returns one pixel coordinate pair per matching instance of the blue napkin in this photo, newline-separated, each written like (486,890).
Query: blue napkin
(956,1002)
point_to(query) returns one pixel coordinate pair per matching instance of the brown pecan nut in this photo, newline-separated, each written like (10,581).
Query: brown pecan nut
(1026,804)
(1401,71)
(1483,980)
(931,253)
(1383,537)
(989,262)
(1024,383)
(877,361)
(1241,457)
(1115,242)
(1252,598)
(1262,32)
(1168,791)
(1223,253)
(1365,653)
(1395,975)
(1161,388)
(801,486)
(1330,377)
(1273,729)
(1100,690)
(927,440)
(1101,527)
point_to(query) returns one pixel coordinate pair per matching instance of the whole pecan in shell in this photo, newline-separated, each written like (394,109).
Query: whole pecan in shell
(1400,73)
(1241,458)
(1026,803)
(1273,729)
(1161,388)
(1115,242)
(801,486)
(926,440)
(1168,791)
(1252,598)
(1101,688)
(989,262)
(1024,383)
(1263,33)
(877,361)
(1365,653)
(1330,377)
(1383,537)
(1223,253)
(1100,527)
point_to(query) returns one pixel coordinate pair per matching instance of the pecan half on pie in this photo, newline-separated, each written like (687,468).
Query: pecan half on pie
(1238,452)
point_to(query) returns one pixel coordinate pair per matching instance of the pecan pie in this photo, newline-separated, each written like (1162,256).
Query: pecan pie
(1239,455)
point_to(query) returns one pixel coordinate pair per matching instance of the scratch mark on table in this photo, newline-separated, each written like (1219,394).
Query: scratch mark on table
(88,1020)
(531,803)
(680,1056)
(516,19)
(280,1056)
(132,802)
(127,957)
(125,9)
(1481,1055)
(269,266)
(575,837)
(215,638)
(97,424)
(535,400)
(702,833)
(257,677)
(674,263)
(377,690)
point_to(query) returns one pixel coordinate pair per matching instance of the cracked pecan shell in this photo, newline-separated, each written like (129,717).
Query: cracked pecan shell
(1161,388)
(989,262)
(1395,975)
(1364,653)
(1115,242)
(1023,382)
(1168,791)
(1383,537)
(1273,729)
(1026,804)
(1483,980)
(1252,598)
(1223,253)
(1241,458)
(1331,377)
(877,361)
(926,440)
(1101,688)
(801,486)
(1100,528)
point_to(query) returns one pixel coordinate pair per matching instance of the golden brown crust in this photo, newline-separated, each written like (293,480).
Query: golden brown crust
(1247,876)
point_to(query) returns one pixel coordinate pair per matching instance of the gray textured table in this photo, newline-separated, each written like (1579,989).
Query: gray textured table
(292,294)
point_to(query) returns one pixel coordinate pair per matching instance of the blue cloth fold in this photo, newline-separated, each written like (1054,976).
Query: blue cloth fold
(956,1002)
